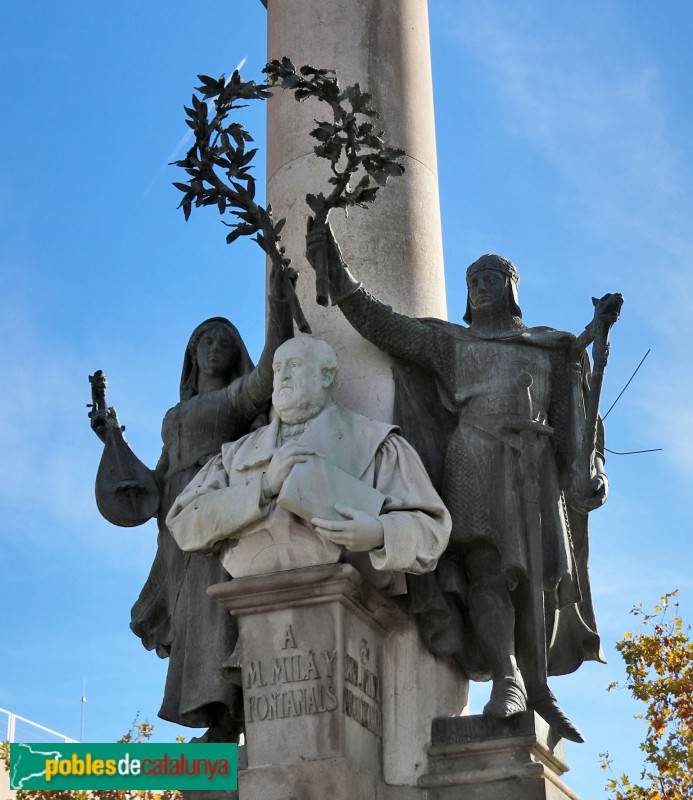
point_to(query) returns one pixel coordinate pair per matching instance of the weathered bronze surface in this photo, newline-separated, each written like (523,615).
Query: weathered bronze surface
(126,492)
(221,396)
(498,413)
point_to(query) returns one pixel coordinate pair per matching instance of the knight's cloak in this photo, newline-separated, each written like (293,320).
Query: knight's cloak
(456,427)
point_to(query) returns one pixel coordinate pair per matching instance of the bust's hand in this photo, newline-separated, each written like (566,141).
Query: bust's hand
(281,465)
(358,532)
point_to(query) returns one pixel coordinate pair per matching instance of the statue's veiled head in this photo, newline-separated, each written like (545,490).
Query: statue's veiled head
(304,376)
(492,283)
(217,349)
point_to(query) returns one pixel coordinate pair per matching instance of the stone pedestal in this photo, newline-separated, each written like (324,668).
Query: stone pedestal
(479,758)
(323,695)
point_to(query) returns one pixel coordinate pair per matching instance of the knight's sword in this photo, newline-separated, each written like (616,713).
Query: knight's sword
(530,430)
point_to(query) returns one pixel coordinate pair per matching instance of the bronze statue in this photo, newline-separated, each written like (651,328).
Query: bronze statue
(221,398)
(497,412)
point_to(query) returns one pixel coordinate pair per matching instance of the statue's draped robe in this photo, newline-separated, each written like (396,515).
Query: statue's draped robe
(455,394)
(225,501)
(173,614)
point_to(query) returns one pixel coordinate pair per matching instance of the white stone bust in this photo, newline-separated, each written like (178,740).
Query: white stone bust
(317,481)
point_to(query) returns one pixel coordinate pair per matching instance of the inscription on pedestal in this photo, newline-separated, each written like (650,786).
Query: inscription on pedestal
(362,702)
(312,659)
(269,695)
(314,669)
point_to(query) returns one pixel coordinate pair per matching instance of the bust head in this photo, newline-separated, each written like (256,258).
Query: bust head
(304,376)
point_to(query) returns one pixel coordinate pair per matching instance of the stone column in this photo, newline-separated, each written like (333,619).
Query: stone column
(395,247)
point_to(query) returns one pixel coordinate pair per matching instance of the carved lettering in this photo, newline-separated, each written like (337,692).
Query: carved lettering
(351,670)
(290,706)
(289,641)
(311,703)
(311,668)
(279,670)
(254,674)
(300,701)
(331,701)
(329,655)
(298,667)
(292,703)
(315,697)
(363,712)
(357,675)
(262,706)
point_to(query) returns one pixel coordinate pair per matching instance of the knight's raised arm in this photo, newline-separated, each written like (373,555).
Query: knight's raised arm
(399,335)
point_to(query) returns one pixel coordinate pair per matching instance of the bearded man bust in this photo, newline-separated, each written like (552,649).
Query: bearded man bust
(318,484)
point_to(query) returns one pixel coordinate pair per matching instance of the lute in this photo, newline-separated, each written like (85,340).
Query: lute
(126,492)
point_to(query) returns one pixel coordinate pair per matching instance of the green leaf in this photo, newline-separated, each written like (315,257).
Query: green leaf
(248,157)
(363,129)
(324,131)
(331,150)
(240,230)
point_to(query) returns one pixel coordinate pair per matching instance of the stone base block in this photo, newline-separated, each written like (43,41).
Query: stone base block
(311,656)
(480,758)
(327,779)
(334,673)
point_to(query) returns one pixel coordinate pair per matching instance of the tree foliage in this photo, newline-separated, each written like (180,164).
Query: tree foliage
(139,732)
(659,668)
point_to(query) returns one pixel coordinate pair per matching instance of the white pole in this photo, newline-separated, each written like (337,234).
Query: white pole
(84,700)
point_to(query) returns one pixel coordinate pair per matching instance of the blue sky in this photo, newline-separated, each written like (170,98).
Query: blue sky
(564,137)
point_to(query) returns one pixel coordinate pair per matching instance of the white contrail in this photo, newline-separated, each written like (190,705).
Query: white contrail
(186,137)
(182,143)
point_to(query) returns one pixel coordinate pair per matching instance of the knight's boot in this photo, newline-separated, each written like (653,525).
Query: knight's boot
(493,617)
(546,706)
(508,697)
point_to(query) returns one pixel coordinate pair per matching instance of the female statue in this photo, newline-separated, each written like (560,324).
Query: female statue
(221,396)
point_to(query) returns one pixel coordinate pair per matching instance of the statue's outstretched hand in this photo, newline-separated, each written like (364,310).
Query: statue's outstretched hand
(321,242)
(102,419)
(282,282)
(599,490)
(357,532)
(316,243)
